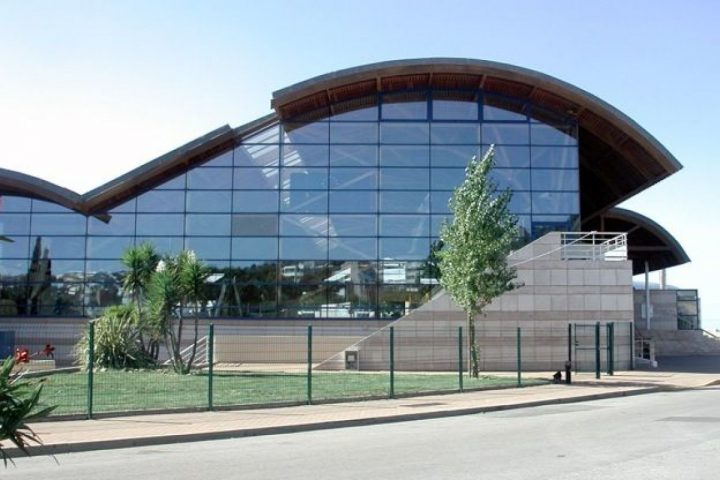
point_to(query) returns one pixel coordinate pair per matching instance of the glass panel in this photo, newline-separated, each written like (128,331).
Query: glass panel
(353,202)
(404,106)
(9,203)
(493,111)
(305,156)
(110,248)
(209,201)
(542,224)
(404,156)
(404,133)
(447,178)
(14,223)
(304,178)
(355,114)
(101,295)
(49,207)
(302,301)
(61,247)
(203,178)
(303,271)
(401,272)
(304,225)
(543,134)
(262,156)
(520,203)
(161,201)
(68,270)
(268,135)
(514,179)
(454,110)
(303,248)
(354,132)
(255,178)
(207,224)
(252,225)
(555,179)
(119,224)
(352,225)
(456,156)
(399,300)
(209,247)
(405,202)
(177,183)
(257,201)
(127,207)
(352,248)
(255,248)
(164,245)
(58,224)
(687,295)
(304,201)
(18,247)
(455,133)
(167,224)
(349,178)
(404,178)
(255,271)
(555,202)
(404,225)
(440,201)
(505,133)
(404,248)
(12,270)
(555,157)
(222,160)
(353,155)
(106,271)
(315,132)
(351,301)
(352,272)
(511,156)
(437,223)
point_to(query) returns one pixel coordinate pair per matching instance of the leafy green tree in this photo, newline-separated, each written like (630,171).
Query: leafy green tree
(473,261)
(19,400)
(141,262)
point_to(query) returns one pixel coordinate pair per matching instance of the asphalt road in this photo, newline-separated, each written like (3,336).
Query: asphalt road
(657,436)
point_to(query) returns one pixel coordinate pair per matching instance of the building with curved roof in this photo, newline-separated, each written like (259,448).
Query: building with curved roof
(329,206)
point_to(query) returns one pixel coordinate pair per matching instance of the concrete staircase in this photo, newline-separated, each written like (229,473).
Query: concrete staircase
(683,342)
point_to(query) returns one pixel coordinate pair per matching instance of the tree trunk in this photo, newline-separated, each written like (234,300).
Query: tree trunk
(474,367)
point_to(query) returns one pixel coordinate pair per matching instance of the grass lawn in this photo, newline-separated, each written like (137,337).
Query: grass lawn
(121,391)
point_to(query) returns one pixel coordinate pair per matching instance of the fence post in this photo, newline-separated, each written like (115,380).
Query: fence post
(519,359)
(211,361)
(597,349)
(570,343)
(90,368)
(611,348)
(392,362)
(309,365)
(460,358)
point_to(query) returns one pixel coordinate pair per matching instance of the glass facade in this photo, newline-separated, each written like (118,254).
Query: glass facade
(327,218)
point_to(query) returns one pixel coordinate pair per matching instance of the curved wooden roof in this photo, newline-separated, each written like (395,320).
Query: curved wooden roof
(618,158)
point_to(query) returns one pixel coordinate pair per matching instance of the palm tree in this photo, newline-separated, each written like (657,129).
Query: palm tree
(141,262)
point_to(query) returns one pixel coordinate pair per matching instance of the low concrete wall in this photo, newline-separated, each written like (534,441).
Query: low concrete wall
(278,348)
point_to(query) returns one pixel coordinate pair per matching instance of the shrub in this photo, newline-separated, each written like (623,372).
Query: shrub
(116,340)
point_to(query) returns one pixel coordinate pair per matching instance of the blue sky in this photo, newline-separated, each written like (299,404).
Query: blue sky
(92,89)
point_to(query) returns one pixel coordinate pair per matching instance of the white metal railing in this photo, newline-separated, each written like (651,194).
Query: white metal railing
(597,246)
(201,352)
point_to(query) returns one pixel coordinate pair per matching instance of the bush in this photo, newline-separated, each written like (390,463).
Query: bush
(19,398)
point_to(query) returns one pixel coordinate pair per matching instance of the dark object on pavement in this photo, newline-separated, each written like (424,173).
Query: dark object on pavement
(557,377)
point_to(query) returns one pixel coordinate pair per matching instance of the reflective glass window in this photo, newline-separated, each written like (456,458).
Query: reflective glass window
(543,134)
(452,156)
(126,207)
(161,201)
(303,248)
(255,248)
(352,248)
(214,224)
(404,248)
(404,133)
(302,301)
(156,224)
(257,156)
(404,202)
(396,301)
(404,156)
(545,179)
(256,178)
(440,201)
(305,225)
(520,203)
(304,201)
(305,156)
(14,224)
(437,223)
(304,178)
(303,271)
(352,225)
(350,178)
(554,157)
(353,155)
(254,225)
(404,178)
(119,224)
(62,247)
(404,225)
(511,156)
(350,112)
(352,271)
(19,247)
(13,269)
(404,106)
(204,178)
(110,248)
(455,133)
(222,160)
(177,183)
(9,203)
(315,132)
(505,133)
(503,110)
(356,132)
(255,201)
(57,224)
(446,178)
(512,178)
(353,202)
(209,247)
(268,135)
(68,270)
(246,271)
(48,207)
(454,110)
(542,224)
(208,201)
(164,245)
(555,202)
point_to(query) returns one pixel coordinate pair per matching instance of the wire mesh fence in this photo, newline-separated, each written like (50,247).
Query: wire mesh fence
(236,364)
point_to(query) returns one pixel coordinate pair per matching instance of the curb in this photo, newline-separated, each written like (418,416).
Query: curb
(254,432)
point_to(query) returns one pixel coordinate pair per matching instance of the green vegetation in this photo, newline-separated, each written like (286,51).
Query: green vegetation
(475,245)
(137,390)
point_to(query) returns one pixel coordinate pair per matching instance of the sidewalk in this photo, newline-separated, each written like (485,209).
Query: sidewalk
(139,430)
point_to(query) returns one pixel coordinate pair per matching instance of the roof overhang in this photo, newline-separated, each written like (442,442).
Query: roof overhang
(647,241)
(618,158)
